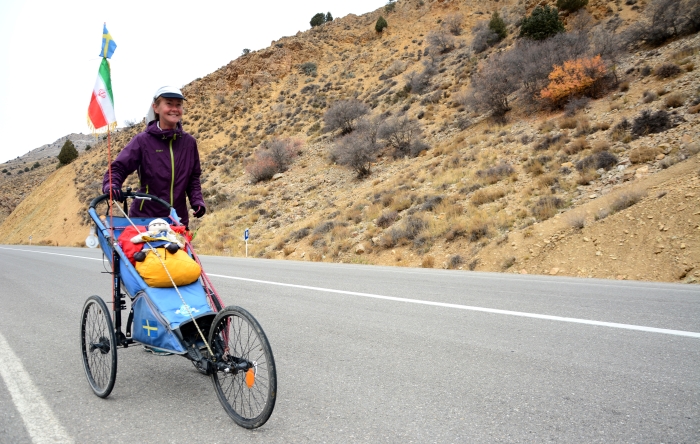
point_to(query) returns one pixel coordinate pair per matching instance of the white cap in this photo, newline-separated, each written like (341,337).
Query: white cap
(169,92)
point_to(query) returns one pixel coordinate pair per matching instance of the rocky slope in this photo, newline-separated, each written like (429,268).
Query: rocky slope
(467,217)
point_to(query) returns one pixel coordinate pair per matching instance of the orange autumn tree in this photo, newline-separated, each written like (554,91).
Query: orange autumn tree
(574,78)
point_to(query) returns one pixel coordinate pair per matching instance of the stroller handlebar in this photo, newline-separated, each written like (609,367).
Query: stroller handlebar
(133,195)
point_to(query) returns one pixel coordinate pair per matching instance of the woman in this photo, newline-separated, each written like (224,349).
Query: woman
(166,159)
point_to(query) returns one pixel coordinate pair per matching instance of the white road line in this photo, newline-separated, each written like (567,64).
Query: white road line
(54,254)
(39,420)
(472,308)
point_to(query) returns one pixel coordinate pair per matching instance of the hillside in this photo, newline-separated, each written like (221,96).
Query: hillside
(521,193)
(23,174)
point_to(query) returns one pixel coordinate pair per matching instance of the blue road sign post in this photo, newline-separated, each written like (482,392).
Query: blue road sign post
(246,235)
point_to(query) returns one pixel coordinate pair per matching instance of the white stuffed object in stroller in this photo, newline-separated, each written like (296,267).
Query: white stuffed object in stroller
(159,234)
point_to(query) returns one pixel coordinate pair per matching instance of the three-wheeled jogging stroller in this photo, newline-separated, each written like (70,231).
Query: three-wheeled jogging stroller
(226,343)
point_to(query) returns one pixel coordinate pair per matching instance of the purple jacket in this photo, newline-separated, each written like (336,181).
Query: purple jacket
(168,166)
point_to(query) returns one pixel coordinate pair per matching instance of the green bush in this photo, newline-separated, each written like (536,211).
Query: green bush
(571,5)
(308,68)
(381,24)
(497,25)
(68,153)
(329,17)
(36,165)
(318,19)
(246,51)
(541,24)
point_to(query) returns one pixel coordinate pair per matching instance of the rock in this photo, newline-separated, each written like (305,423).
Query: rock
(554,271)
(523,271)
(660,156)
(278,176)
(598,253)
(359,249)
(644,169)
(682,246)
(303,254)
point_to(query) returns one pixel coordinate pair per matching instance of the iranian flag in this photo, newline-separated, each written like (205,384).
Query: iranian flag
(101,109)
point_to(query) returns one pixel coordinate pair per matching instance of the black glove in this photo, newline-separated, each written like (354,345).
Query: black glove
(117,194)
(199,211)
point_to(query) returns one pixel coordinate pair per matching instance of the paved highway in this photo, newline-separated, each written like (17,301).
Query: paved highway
(368,354)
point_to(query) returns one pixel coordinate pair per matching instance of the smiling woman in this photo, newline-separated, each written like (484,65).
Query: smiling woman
(167,161)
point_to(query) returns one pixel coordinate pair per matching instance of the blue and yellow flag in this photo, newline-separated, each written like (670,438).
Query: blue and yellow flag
(108,45)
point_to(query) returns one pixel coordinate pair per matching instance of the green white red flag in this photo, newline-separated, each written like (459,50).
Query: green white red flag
(101,109)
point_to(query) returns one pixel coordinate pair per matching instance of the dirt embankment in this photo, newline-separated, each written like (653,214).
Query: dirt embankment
(49,215)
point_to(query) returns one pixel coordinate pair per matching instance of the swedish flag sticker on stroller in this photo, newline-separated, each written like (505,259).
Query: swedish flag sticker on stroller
(151,327)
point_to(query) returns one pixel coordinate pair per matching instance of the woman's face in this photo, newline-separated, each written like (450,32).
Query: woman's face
(169,112)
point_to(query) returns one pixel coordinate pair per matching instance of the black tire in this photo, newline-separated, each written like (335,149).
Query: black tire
(98,344)
(235,336)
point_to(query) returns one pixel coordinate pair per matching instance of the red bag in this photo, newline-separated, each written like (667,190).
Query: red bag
(128,247)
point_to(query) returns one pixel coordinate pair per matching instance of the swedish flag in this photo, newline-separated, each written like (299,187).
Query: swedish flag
(108,45)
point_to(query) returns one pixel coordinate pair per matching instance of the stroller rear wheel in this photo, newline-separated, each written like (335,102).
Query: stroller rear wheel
(98,344)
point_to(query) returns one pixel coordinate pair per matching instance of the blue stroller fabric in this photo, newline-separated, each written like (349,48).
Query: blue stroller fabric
(158,312)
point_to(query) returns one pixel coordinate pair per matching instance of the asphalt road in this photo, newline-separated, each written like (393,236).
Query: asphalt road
(369,354)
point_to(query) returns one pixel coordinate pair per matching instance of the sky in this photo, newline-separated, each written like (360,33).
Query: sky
(49,54)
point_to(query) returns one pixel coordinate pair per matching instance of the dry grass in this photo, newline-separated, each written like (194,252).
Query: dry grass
(600,145)
(576,220)
(477,228)
(586,176)
(643,154)
(626,199)
(486,195)
(428,262)
(547,180)
(568,123)
(576,146)
(674,100)
(401,202)
(546,207)
(534,167)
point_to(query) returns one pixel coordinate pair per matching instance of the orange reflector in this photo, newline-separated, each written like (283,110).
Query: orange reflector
(250,378)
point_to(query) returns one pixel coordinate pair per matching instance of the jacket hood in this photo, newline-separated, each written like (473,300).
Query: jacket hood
(153,130)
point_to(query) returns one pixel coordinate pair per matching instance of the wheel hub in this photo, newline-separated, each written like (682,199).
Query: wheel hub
(103,346)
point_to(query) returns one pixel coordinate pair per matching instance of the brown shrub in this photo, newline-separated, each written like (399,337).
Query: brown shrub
(546,207)
(477,229)
(586,176)
(576,146)
(508,262)
(674,100)
(428,262)
(568,123)
(386,219)
(667,70)
(496,173)
(600,145)
(643,154)
(486,195)
(626,199)
(547,180)
(533,167)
